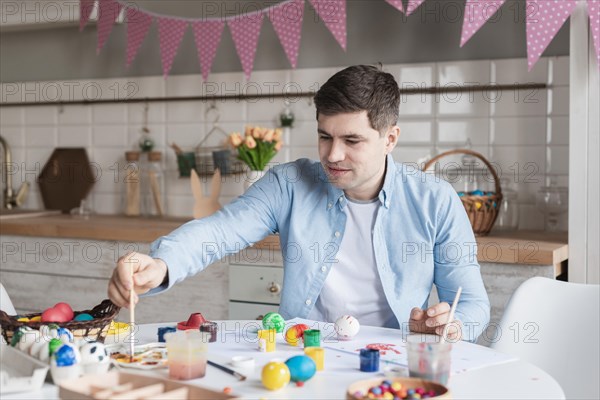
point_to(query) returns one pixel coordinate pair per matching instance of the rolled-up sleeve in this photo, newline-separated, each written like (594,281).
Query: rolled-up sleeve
(456,265)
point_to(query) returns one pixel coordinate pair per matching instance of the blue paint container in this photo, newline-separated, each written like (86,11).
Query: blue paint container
(369,360)
(163,330)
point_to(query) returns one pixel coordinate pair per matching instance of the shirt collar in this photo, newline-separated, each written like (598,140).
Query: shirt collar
(336,196)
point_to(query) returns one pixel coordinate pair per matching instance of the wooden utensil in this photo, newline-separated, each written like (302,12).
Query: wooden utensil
(205,205)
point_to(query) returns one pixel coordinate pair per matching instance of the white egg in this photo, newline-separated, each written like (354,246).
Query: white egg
(34,350)
(27,340)
(346,327)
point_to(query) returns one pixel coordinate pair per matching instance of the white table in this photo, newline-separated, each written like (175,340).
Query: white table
(510,380)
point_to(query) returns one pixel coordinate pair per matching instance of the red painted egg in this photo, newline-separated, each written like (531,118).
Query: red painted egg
(65,309)
(54,315)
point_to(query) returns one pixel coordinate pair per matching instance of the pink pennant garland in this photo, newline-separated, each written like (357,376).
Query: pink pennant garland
(287,22)
(170,32)
(85,10)
(138,24)
(594,11)
(543,20)
(477,13)
(397,4)
(333,14)
(208,36)
(244,31)
(413,5)
(108,11)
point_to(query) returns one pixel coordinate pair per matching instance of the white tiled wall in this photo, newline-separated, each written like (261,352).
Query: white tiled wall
(525,132)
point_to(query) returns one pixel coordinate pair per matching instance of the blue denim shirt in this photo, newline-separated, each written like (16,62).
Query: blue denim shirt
(422,236)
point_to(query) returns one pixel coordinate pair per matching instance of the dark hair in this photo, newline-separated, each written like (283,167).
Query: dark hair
(361,88)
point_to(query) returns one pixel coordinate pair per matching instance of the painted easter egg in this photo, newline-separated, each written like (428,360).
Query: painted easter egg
(275,375)
(54,315)
(65,335)
(273,320)
(54,345)
(65,309)
(64,356)
(19,335)
(295,333)
(93,352)
(346,327)
(49,331)
(83,317)
(302,368)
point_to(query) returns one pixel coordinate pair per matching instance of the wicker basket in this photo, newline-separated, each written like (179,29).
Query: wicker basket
(481,210)
(94,330)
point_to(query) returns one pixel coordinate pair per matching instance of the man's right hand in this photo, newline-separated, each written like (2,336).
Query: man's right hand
(148,273)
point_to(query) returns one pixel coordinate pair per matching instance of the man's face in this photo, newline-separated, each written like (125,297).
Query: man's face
(353,153)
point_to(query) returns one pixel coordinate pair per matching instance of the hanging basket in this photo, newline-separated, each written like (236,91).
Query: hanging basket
(482,210)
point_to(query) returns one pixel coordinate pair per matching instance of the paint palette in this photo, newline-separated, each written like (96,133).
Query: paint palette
(147,356)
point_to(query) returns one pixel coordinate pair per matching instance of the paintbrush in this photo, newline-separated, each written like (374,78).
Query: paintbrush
(451,314)
(228,370)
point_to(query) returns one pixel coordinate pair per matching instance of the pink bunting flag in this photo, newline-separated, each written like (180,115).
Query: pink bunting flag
(170,32)
(108,11)
(594,11)
(543,20)
(85,10)
(208,36)
(477,13)
(138,24)
(333,14)
(287,22)
(397,4)
(413,5)
(244,31)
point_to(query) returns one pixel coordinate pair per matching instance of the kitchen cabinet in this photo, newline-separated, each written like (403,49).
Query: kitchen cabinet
(255,282)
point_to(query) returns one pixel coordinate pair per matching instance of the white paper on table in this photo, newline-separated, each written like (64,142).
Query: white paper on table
(465,356)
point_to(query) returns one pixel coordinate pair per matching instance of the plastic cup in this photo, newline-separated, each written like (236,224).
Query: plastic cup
(312,338)
(429,358)
(266,340)
(186,351)
(318,356)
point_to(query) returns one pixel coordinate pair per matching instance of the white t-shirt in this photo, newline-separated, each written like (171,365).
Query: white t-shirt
(353,286)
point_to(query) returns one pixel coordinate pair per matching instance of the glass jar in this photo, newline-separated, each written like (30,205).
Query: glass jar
(153,186)
(131,181)
(508,214)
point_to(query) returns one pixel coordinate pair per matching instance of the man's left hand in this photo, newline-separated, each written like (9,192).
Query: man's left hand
(433,320)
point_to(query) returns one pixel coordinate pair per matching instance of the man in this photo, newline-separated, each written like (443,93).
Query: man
(360,234)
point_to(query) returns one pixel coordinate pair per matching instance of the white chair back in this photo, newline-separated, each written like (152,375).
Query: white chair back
(5,304)
(556,326)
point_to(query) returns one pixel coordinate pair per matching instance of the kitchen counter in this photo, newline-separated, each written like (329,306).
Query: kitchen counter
(517,247)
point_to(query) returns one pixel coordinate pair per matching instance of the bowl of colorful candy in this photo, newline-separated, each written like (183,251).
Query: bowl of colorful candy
(396,388)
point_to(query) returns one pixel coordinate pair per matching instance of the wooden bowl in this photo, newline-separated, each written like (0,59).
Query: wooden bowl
(408,383)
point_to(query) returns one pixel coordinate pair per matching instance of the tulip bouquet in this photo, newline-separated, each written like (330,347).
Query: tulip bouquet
(257,147)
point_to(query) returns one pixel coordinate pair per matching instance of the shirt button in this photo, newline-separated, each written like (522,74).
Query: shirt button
(307,302)
(323,268)
(329,205)
(337,234)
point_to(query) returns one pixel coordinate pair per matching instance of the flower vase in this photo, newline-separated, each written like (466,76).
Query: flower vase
(251,177)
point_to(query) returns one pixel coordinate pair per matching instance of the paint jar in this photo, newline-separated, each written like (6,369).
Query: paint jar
(266,340)
(369,360)
(210,328)
(312,338)
(163,330)
(429,358)
(318,356)
(187,354)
